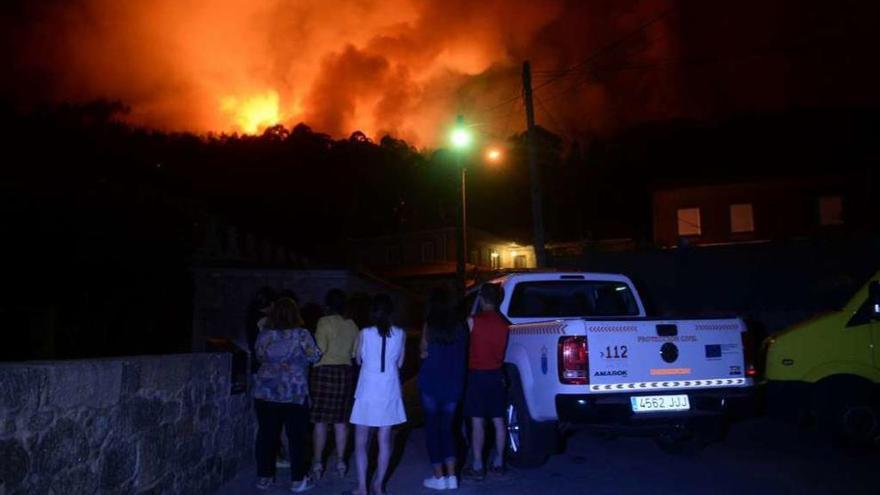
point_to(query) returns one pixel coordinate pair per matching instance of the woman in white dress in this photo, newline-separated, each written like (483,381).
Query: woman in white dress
(377,399)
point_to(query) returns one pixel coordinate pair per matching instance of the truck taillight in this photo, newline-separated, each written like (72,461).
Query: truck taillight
(573,361)
(749,354)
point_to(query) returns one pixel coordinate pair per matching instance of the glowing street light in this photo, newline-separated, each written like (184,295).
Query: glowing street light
(461,138)
(494,155)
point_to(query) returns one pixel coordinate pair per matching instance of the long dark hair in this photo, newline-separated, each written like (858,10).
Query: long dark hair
(441,320)
(381,314)
(491,294)
(335,301)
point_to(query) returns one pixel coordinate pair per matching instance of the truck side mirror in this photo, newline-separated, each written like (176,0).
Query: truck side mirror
(874,297)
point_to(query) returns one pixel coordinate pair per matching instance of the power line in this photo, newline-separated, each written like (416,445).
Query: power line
(803,45)
(506,101)
(580,81)
(598,72)
(696,62)
(504,121)
(549,114)
(559,74)
(507,119)
(574,69)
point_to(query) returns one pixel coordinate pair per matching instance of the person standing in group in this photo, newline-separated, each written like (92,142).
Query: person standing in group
(377,399)
(485,394)
(332,381)
(441,384)
(255,321)
(285,350)
(255,317)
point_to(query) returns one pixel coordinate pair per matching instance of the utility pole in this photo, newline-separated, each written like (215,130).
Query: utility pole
(461,224)
(531,137)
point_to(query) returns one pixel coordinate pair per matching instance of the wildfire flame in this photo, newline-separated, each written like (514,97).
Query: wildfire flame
(402,67)
(253,114)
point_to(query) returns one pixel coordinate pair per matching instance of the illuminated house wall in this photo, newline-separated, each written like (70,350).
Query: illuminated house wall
(510,255)
(438,248)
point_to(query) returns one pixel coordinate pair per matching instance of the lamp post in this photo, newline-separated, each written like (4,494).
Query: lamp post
(461,139)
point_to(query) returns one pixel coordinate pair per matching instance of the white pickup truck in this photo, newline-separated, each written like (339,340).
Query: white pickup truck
(583,351)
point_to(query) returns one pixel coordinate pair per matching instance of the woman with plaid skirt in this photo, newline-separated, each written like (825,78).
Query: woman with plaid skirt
(332,381)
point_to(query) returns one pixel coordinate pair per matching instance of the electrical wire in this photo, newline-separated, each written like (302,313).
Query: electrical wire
(574,69)
(549,114)
(507,119)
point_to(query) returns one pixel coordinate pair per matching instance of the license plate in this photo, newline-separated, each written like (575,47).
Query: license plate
(651,403)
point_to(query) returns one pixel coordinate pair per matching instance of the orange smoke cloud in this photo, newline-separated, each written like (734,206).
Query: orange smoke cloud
(403,67)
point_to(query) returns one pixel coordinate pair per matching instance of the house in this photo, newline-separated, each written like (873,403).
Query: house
(760,210)
(427,257)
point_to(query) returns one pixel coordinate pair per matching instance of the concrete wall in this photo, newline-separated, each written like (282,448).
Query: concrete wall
(140,425)
(774,284)
(222,296)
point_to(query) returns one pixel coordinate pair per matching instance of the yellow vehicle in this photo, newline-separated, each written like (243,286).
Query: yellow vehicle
(827,370)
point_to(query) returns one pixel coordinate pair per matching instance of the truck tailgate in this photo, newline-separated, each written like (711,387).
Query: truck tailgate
(646,355)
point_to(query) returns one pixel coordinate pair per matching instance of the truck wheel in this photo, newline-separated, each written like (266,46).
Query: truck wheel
(847,409)
(529,442)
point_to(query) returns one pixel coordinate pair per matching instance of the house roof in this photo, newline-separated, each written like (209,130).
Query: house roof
(673,185)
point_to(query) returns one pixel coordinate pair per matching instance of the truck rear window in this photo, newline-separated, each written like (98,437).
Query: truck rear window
(571,298)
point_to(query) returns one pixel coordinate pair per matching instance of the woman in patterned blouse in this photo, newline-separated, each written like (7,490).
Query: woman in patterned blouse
(281,392)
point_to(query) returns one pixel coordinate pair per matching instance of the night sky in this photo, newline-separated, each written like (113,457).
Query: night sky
(132,130)
(406,67)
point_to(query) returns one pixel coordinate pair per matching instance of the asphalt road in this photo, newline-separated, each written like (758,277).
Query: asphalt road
(758,457)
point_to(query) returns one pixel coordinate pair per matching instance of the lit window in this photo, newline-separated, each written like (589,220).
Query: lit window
(742,218)
(830,210)
(689,221)
(427,252)
(495,260)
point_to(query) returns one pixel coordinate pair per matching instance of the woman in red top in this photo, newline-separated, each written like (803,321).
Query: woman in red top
(485,395)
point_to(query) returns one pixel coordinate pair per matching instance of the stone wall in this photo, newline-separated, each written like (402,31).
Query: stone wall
(142,425)
(222,296)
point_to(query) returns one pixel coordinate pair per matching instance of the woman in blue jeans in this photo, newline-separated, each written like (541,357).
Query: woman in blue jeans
(441,383)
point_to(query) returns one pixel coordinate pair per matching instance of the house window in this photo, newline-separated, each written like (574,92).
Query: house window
(495,260)
(742,218)
(688,222)
(520,261)
(830,210)
(427,252)
(392,255)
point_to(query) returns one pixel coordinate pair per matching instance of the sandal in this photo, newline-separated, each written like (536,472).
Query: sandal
(498,470)
(264,483)
(307,483)
(341,468)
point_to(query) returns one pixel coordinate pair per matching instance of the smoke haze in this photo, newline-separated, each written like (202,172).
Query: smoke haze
(403,67)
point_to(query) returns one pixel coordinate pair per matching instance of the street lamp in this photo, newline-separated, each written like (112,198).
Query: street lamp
(461,139)
(494,155)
